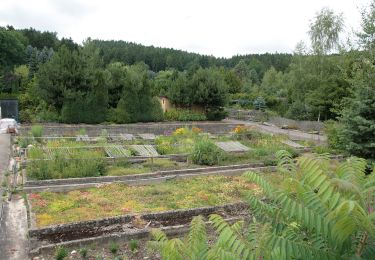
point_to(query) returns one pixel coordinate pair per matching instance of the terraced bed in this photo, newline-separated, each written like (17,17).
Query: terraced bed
(50,208)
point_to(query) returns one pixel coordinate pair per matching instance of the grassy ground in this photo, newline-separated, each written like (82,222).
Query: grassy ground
(118,199)
(157,164)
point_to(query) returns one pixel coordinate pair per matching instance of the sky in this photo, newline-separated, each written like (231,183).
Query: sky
(219,28)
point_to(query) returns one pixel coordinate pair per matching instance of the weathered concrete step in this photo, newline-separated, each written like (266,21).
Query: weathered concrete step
(121,227)
(138,234)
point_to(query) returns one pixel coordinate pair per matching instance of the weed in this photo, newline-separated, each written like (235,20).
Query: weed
(37,131)
(83,252)
(113,247)
(82,131)
(61,253)
(133,245)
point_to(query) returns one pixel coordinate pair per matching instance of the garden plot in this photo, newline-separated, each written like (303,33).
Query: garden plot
(145,150)
(232,147)
(117,199)
(123,228)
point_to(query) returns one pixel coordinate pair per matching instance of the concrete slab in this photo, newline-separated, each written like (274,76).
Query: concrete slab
(145,150)
(232,147)
(147,136)
(293,144)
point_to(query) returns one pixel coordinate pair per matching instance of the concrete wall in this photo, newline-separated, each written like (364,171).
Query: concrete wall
(156,128)
(306,126)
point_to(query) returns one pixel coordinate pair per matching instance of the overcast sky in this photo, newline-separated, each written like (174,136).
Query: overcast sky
(220,28)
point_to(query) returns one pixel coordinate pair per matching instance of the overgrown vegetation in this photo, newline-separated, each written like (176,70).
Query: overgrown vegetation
(180,114)
(79,163)
(205,152)
(317,212)
(118,199)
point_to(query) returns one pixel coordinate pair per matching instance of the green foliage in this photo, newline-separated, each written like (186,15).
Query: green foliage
(205,152)
(180,114)
(259,104)
(74,165)
(114,247)
(37,131)
(61,253)
(317,212)
(334,132)
(328,221)
(11,48)
(136,103)
(357,118)
(133,245)
(325,31)
(216,113)
(83,252)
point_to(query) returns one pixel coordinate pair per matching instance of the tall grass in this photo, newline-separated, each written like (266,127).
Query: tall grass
(77,164)
(205,152)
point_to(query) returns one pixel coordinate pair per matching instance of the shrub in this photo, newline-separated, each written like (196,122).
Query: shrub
(61,253)
(216,114)
(334,132)
(205,152)
(180,114)
(37,131)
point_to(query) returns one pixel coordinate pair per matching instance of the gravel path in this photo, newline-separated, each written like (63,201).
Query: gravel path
(13,224)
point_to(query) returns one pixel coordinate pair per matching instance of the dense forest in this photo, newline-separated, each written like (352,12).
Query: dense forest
(116,81)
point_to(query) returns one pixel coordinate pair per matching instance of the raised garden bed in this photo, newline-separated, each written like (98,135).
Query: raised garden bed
(118,199)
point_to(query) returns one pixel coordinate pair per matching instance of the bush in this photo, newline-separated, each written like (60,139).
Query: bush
(205,152)
(216,114)
(334,132)
(180,114)
(37,131)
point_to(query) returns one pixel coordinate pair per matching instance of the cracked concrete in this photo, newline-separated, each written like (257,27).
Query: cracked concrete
(13,224)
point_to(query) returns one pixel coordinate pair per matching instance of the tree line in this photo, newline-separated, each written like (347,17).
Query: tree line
(115,81)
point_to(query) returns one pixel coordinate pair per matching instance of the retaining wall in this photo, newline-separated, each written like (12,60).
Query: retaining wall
(156,128)
(121,228)
(306,126)
(64,185)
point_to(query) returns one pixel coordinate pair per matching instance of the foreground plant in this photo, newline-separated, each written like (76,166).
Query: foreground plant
(318,212)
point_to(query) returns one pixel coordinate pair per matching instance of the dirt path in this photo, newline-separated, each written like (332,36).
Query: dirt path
(13,224)
(292,134)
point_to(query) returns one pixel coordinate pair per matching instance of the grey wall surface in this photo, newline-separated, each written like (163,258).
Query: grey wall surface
(139,128)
